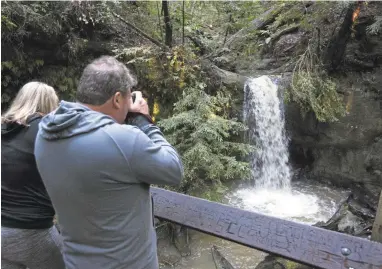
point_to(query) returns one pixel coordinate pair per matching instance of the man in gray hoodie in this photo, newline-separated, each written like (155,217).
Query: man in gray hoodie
(98,171)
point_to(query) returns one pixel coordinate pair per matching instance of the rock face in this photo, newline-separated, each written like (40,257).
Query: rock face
(347,153)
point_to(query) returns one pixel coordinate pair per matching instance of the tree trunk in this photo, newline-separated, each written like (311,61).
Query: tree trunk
(183,23)
(336,48)
(376,234)
(159,24)
(228,28)
(167,22)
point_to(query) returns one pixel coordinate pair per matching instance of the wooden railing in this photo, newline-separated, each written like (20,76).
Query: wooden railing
(295,241)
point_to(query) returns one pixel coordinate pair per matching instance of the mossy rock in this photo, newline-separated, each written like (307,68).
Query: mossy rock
(275,262)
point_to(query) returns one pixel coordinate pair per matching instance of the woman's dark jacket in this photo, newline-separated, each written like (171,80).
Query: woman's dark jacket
(25,203)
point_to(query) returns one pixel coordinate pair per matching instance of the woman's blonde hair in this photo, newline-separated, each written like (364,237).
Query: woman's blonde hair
(33,97)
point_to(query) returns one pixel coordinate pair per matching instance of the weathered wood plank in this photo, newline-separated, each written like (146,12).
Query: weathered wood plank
(302,243)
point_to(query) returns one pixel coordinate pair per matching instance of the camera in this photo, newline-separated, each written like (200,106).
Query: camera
(133,96)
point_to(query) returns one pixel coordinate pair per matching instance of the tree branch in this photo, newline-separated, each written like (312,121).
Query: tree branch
(140,32)
(198,43)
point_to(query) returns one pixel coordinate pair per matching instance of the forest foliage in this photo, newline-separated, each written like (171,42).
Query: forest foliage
(53,41)
(194,117)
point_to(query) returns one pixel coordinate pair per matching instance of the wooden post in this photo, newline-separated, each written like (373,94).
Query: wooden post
(376,234)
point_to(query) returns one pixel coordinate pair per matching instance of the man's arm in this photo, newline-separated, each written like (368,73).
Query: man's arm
(154,160)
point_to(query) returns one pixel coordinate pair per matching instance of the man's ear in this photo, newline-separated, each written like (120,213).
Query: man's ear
(117,100)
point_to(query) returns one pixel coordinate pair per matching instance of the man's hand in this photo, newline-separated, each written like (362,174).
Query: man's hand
(140,105)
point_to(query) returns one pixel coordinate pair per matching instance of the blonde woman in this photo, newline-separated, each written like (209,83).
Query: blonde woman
(28,237)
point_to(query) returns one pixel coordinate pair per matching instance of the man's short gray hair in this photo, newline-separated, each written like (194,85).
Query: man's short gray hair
(101,79)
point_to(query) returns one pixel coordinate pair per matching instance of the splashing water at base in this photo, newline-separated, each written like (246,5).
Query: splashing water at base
(303,203)
(279,203)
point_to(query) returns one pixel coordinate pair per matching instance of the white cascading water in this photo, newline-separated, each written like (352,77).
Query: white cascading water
(262,112)
(273,193)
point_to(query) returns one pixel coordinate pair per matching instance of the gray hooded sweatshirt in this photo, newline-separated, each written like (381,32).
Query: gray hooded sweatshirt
(97,173)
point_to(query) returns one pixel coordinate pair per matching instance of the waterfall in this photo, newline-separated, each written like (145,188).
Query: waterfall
(273,194)
(263,114)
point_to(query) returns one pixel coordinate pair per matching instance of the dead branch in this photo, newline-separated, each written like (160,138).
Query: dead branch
(140,32)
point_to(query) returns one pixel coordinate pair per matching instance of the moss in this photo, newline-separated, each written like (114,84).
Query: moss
(290,15)
(291,265)
(7,23)
(163,75)
(288,264)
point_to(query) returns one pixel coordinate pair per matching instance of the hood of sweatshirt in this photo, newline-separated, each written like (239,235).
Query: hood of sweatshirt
(71,119)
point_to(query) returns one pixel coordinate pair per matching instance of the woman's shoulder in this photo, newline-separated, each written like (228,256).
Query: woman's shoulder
(33,123)
(34,118)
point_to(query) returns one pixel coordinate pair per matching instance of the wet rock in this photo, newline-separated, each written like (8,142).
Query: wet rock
(286,44)
(220,76)
(168,254)
(351,217)
(350,224)
(224,62)
(275,262)
(361,210)
(180,239)
(220,261)
(175,235)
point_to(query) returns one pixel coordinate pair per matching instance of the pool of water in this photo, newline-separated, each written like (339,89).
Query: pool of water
(305,203)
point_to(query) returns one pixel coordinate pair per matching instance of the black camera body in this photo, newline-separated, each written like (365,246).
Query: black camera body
(133,96)
(131,115)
